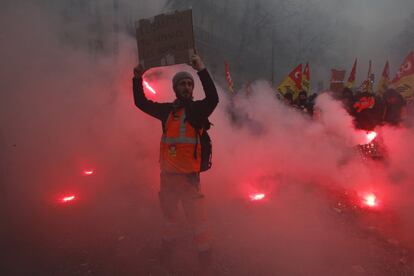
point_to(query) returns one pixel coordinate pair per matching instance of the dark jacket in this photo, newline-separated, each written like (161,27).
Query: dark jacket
(197,112)
(393,109)
(367,118)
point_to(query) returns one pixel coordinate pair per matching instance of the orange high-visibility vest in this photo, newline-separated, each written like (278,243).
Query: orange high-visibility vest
(178,145)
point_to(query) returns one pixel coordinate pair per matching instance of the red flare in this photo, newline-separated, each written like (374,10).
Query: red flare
(68,198)
(149,87)
(88,172)
(371,136)
(370,200)
(257,197)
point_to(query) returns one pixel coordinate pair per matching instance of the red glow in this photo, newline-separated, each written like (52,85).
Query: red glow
(370,200)
(149,87)
(371,136)
(257,197)
(88,172)
(68,198)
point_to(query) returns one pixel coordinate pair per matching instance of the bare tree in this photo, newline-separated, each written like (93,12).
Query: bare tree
(255,34)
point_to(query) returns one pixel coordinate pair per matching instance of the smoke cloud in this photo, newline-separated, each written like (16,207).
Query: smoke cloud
(65,110)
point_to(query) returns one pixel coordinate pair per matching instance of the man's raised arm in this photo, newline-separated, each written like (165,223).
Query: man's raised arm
(157,110)
(209,103)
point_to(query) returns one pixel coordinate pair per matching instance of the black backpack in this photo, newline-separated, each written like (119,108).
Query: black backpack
(206,147)
(201,127)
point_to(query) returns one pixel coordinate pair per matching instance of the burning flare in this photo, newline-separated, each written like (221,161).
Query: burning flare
(149,87)
(68,198)
(370,200)
(257,197)
(88,172)
(371,136)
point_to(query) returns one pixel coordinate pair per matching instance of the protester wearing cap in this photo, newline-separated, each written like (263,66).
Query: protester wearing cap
(180,154)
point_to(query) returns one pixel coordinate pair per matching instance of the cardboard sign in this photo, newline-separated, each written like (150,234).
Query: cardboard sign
(165,39)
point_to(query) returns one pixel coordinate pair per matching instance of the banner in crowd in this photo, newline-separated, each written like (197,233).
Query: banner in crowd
(352,76)
(385,79)
(404,80)
(292,83)
(306,79)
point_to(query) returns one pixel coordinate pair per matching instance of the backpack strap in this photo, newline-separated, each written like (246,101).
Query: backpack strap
(198,136)
(199,131)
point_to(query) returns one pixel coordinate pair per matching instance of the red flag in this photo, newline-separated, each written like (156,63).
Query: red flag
(306,78)
(352,76)
(404,80)
(296,76)
(366,85)
(406,69)
(292,83)
(385,79)
(228,77)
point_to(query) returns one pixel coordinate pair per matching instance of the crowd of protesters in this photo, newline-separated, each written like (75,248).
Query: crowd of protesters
(369,110)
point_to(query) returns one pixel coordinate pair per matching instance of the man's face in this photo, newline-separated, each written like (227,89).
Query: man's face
(184,89)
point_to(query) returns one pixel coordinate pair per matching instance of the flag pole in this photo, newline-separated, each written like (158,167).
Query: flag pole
(273,59)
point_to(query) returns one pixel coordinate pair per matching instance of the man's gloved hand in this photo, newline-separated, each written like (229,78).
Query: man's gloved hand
(197,63)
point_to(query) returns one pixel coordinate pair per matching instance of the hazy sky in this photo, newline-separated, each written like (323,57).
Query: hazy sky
(376,23)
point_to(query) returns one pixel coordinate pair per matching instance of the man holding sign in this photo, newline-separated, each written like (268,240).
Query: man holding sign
(183,123)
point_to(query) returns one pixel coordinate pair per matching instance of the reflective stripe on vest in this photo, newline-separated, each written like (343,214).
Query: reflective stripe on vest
(182,139)
(180,145)
(178,140)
